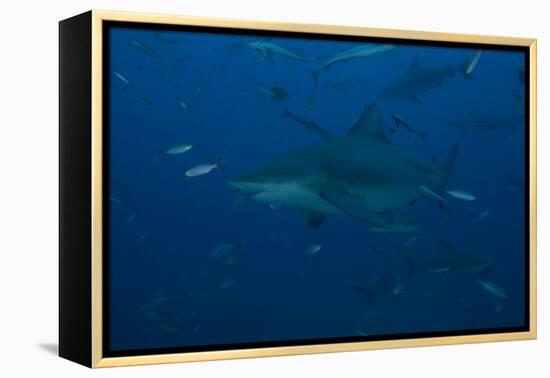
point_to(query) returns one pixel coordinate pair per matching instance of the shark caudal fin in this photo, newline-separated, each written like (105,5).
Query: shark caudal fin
(436,193)
(286,113)
(447,167)
(408,261)
(315,75)
(365,292)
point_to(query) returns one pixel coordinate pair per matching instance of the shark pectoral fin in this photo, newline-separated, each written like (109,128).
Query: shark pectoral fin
(315,219)
(352,205)
(414,98)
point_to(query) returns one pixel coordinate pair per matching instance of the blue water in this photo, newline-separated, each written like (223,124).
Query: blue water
(166,290)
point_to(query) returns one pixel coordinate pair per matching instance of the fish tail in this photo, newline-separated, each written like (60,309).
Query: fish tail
(447,166)
(365,292)
(396,120)
(315,75)
(240,242)
(286,112)
(407,261)
(218,162)
(446,169)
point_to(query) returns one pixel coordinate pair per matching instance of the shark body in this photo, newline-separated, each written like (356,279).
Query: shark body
(418,79)
(268,50)
(354,52)
(447,259)
(486,121)
(361,175)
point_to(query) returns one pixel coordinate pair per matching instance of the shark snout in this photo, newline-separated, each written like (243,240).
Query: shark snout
(245,184)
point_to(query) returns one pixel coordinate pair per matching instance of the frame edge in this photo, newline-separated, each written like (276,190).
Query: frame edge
(98,16)
(74,193)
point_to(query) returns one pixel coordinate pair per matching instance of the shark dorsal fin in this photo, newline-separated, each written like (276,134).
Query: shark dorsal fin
(369,125)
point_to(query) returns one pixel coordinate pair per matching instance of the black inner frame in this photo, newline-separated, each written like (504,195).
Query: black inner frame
(107,25)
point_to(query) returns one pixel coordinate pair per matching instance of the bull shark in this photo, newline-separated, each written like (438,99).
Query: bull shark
(368,50)
(361,175)
(268,49)
(475,120)
(418,79)
(447,259)
(383,285)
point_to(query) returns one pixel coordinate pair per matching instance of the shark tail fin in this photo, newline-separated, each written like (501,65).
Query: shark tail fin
(240,242)
(315,75)
(219,162)
(446,169)
(407,260)
(365,292)
(285,113)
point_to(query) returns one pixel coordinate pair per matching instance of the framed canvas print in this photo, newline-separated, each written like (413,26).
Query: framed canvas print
(237,189)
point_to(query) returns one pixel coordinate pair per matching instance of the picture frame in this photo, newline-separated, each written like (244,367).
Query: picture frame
(86,198)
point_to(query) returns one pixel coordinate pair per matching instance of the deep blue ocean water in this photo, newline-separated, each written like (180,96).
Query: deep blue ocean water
(167,290)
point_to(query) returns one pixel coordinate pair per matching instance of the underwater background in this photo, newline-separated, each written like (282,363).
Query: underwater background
(195,263)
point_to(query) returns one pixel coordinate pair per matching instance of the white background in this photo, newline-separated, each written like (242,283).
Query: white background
(29,189)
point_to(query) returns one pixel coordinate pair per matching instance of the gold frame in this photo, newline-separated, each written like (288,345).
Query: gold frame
(97,152)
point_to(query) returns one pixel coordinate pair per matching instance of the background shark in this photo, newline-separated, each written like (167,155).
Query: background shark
(475,120)
(361,175)
(418,79)
(268,50)
(369,50)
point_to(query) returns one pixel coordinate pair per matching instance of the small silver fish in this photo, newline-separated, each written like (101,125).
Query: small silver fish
(413,240)
(147,101)
(461,194)
(113,199)
(430,194)
(266,91)
(313,249)
(493,288)
(131,217)
(184,105)
(201,169)
(360,332)
(484,214)
(472,63)
(122,78)
(143,48)
(398,287)
(232,260)
(156,302)
(225,248)
(225,284)
(196,92)
(444,269)
(178,149)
